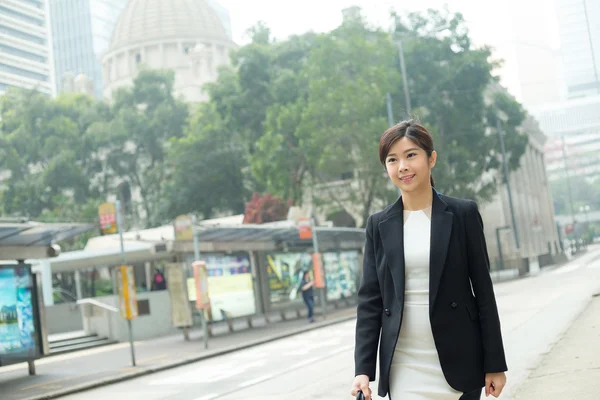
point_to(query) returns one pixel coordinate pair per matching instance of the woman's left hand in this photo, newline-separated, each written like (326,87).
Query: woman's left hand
(494,383)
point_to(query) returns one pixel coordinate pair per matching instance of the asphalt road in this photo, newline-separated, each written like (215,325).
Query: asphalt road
(535,313)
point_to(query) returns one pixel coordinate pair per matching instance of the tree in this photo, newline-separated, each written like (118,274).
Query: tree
(50,153)
(265,208)
(146,117)
(207,168)
(452,88)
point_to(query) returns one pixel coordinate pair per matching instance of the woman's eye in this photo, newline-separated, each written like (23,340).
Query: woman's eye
(390,160)
(411,155)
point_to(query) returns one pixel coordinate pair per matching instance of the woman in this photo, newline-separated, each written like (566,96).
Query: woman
(426,287)
(306,286)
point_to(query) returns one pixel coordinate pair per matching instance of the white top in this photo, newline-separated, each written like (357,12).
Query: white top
(417,238)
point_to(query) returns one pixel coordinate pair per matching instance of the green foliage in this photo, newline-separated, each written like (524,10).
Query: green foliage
(207,168)
(584,193)
(146,117)
(49,150)
(456,97)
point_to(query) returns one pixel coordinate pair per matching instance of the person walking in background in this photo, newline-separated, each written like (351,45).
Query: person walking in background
(158,281)
(426,295)
(306,286)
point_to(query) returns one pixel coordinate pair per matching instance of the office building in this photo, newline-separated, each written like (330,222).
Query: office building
(26,56)
(81,31)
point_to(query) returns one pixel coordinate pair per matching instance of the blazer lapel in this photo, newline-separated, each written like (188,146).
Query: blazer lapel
(441,229)
(391,231)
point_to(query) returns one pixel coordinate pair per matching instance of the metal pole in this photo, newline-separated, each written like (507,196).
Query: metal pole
(499,243)
(120,226)
(507,178)
(197,257)
(404,77)
(388,100)
(316,250)
(587,21)
(568,179)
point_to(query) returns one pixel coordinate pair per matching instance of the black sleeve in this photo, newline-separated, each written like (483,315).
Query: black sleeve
(479,272)
(368,315)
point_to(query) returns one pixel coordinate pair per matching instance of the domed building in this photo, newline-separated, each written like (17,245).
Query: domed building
(186,36)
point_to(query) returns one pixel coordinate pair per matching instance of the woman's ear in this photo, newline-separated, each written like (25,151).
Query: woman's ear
(432,159)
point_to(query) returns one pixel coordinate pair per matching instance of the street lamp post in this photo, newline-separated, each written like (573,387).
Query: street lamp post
(507,179)
(499,243)
(585,209)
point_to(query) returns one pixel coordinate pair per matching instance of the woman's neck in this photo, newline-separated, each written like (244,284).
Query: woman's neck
(420,200)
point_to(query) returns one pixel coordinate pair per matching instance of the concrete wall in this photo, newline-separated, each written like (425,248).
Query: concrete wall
(112,325)
(61,318)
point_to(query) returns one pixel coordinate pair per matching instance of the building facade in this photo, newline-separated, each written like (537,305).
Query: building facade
(573,129)
(25,39)
(536,232)
(186,36)
(81,31)
(579,22)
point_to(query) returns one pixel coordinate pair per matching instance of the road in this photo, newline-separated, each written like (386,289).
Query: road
(535,312)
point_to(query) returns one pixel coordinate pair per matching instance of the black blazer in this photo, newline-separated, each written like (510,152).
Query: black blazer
(464,321)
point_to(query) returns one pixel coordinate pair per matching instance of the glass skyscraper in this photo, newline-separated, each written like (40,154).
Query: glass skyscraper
(25,53)
(579,22)
(81,31)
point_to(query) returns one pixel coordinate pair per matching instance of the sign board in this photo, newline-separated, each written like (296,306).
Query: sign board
(20,327)
(569,228)
(181,314)
(107,213)
(318,270)
(127,296)
(201,279)
(183,228)
(304,228)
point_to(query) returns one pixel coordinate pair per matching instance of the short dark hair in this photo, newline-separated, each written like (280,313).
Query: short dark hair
(416,132)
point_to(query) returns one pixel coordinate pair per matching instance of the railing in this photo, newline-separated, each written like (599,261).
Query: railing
(98,304)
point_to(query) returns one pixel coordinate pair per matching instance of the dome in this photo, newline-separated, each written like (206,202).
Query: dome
(147,20)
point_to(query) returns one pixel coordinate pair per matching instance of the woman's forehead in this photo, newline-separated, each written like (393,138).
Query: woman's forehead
(403,144)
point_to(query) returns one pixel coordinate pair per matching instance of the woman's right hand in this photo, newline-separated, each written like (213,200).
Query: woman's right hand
(361,382)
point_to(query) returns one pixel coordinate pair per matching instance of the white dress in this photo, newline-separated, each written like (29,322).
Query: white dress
(416,373)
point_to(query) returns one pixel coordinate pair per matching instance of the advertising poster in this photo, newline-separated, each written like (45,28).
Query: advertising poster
(230,286)
(285,273)
(181,313)
(127,295)
(341,270)
(17,317)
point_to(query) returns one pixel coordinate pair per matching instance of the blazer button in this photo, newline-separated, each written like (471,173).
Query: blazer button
(453,305)
(387,312)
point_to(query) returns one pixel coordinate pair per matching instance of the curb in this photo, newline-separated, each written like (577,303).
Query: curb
(186,361)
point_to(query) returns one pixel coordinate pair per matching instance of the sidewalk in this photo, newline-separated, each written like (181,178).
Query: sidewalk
(74,372)
(571,370)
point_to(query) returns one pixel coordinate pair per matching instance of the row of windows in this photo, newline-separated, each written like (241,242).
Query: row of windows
(23,72)
(33,3)
(21,35)
(22,53)
(21,16)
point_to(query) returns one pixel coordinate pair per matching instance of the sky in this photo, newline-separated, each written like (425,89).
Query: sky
(532,23)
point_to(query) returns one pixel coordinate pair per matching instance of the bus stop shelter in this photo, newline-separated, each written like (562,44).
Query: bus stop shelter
(23,337)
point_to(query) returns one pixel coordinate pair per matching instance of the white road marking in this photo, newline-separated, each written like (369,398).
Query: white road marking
(565,269)
(255,381)
(208,397)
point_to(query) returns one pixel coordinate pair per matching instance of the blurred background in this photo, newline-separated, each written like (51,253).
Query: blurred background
(262,112)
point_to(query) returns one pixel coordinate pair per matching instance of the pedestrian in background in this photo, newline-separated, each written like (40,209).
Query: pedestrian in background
(426,291)
(306,286)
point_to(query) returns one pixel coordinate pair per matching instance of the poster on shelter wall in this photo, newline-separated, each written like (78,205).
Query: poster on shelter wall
(17,315)
(230,286)
(285,272)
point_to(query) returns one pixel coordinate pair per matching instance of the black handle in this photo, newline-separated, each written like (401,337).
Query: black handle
(360,396)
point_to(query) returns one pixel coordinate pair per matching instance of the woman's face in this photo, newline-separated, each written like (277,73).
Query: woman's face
(408,166)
